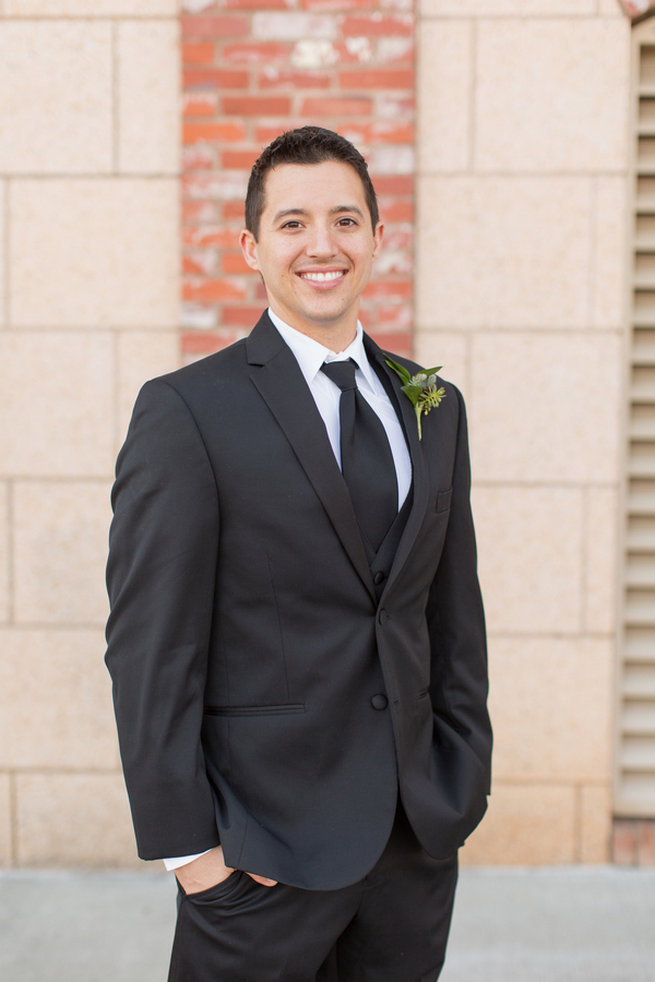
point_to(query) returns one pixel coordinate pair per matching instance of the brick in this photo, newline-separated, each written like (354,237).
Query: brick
(222,26)
(199,104)
(393,183)
(377,78)
(397,317)
(234,210)
(241,316)
(314,53)
(239,159)
(394,210)
(379,25)
(255,53)
(624,842)
(209,236)
(396,49)
(214,78)
(646,843)
(198,156)
(293,26)
(198,52)
(335,106)
(206,343)
(386,290)
(212,132)
(362,134)
(338,6)
(198,212)
(288,78)
(211,289)
(198,316)
(258,4)
(234,263)
(199,263)
(256,105)
(397,342)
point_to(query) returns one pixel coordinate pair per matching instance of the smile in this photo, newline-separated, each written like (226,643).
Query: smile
(322,277)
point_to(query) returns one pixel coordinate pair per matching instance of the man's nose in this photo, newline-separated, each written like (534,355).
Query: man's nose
(321,242)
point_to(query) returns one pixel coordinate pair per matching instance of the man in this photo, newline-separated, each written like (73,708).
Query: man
(296,641)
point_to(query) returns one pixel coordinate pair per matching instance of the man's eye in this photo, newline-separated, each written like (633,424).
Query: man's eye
(291,225)
(347,222)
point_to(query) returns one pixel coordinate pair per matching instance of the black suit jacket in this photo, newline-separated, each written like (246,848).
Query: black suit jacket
(268,693)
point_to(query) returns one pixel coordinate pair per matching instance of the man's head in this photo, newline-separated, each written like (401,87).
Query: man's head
(306,145)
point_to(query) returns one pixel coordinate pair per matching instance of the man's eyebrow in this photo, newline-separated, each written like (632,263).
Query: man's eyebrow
(337,210)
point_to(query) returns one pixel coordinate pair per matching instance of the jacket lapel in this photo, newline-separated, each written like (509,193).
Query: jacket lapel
(279,381)
(420,485)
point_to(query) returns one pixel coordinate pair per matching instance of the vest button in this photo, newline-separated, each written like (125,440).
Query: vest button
(379,701)
(379,577)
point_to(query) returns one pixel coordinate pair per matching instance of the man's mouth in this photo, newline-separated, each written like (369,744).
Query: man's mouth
(318,277)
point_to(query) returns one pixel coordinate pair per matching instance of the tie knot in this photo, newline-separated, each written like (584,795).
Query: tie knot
(342,373)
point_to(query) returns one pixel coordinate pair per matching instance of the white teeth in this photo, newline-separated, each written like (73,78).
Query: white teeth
(321,277)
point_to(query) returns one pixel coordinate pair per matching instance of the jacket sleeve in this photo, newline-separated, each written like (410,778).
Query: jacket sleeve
(459,680)
(160,577)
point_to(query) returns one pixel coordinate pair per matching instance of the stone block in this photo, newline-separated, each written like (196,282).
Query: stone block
(480,263)
(601,559)
(444,96)
(552,95)
(76,820)
(55,97)
(60,550)
(595,823)
(104,252)
(6,844)
(446,348)
(526,825)
(141,355)
(550,702)
(5,600)
(90,8)
(530,557)
(56,404)
(608,283)
(545,406)
(55,700)
(148,97)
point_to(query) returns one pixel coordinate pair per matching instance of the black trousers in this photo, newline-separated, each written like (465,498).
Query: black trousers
(392,926)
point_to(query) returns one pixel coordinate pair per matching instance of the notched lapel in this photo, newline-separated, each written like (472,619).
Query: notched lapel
(420,484)
(278,379)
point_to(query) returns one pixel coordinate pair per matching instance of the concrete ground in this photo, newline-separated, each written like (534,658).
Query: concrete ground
(550,925)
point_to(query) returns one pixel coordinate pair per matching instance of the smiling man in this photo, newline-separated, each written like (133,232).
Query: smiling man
(297,638)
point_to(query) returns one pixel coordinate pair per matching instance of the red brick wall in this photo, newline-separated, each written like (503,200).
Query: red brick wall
(253,68)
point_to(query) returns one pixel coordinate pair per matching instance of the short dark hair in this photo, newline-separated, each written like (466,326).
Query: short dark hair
(305,145)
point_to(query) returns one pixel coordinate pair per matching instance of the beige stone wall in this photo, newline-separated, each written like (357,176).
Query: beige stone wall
(88,309)
(523,156)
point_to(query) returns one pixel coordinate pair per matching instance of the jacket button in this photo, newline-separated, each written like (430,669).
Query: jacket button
(379,701)
(383,616)
(379,577)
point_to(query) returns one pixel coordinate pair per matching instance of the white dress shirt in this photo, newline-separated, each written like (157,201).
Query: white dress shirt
(310,355)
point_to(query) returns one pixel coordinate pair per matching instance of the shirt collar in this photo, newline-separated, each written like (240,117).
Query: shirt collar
(311,354)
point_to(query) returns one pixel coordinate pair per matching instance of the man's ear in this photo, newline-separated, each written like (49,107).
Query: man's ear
(248,245)
(377,238)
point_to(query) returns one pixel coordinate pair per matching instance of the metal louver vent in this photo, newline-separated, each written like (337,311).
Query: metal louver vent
(635,755)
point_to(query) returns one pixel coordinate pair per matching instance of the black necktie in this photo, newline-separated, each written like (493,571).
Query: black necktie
(366,459)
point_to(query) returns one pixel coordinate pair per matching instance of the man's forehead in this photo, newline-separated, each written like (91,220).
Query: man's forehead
(330,184)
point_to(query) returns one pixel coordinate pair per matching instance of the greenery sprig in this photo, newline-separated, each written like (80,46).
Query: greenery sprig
(421,389)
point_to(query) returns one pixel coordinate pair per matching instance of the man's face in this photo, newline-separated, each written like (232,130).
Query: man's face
(315,248)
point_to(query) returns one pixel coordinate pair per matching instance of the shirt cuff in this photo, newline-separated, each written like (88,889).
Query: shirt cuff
(176,861)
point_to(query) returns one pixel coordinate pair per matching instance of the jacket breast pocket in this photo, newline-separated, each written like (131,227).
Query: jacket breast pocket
(442,502)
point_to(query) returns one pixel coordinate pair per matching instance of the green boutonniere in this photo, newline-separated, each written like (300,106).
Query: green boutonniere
(421,389)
